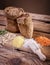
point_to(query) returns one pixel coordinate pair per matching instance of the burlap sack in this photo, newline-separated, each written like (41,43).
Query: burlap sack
(12,26)
(25,25)
(13,12)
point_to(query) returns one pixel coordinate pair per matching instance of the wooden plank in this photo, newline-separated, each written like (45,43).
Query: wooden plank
(41,26)
(2,13)
(3,20)
(37,33)
(40,17)
(2,27)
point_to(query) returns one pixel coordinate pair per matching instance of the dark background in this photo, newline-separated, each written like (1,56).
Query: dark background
(34,6)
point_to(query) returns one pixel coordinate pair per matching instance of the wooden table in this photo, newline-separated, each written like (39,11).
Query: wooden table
(19,57)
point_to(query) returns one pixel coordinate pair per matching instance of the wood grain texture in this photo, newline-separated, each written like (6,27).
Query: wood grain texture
(2,27)
(2,13)
(40,17)
(41,26)
(16,57)
(37,33)
(3,20)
